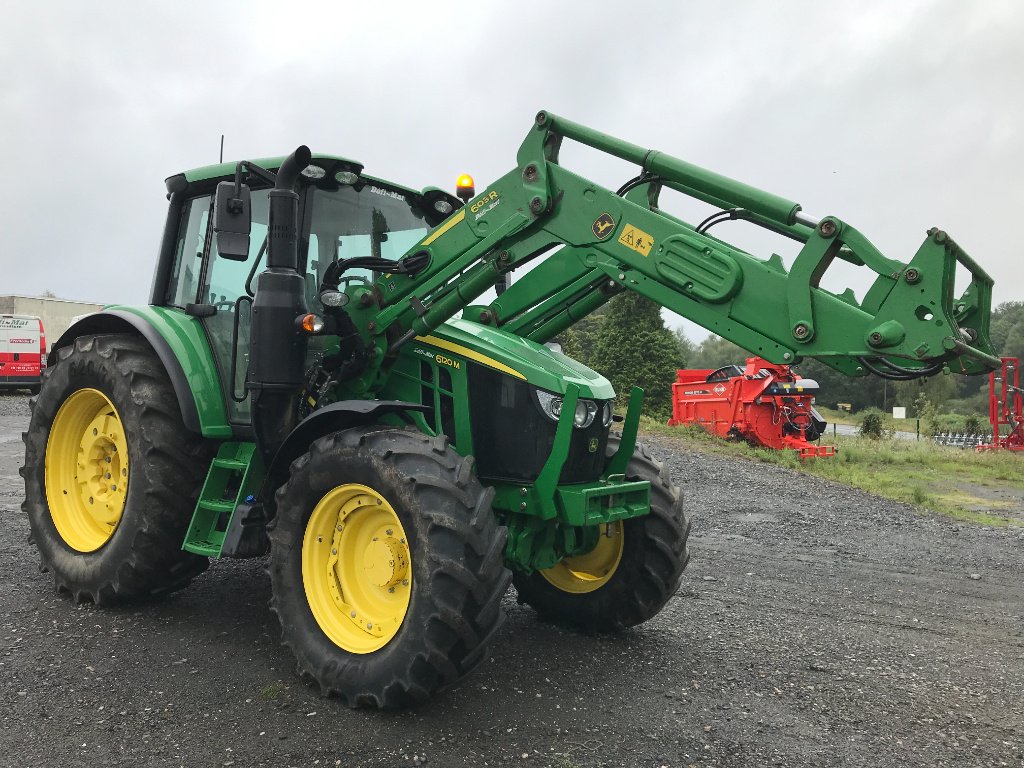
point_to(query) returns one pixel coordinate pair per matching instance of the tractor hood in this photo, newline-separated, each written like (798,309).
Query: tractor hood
(518,357)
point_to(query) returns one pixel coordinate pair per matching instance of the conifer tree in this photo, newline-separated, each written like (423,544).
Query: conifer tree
(634,348)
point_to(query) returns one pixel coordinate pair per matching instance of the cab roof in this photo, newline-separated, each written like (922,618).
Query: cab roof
(329,162)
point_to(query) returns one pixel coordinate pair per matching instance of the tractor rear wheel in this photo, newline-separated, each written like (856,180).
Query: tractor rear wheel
(630,574)
(386,564)
(111,473)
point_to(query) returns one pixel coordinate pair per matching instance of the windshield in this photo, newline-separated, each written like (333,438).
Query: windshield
(372,220)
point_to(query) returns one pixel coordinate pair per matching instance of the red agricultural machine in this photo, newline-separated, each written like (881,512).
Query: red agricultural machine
(764,404)
(1006,407)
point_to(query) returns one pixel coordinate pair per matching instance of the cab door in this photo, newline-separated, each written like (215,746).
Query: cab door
(228,286)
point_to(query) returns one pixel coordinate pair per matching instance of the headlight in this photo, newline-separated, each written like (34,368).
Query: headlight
(586,411)
(331,298)
(606,417)
(550,404)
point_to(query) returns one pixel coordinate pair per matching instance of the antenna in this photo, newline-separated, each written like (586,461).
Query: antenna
(222,148)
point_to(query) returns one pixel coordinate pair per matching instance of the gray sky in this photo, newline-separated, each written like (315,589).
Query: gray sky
(894,117)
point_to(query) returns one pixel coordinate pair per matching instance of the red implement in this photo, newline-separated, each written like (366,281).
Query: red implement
(1006,407)
(764,404)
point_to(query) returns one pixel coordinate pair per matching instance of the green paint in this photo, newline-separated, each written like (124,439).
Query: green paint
(537,542)
(418,377)
(188,342)
(750,301)
(541,366)
(546,484)
(234,473)
(627,441)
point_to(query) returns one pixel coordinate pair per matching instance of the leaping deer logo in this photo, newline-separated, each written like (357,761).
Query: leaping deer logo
(603,226)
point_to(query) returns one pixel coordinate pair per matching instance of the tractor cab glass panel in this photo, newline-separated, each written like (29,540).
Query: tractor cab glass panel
(351,221)
(226,281)
(186,271)
(226,277)
(363,220)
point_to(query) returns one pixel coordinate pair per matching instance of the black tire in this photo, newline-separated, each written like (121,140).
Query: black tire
(143,556)
(456,552)
(654,555)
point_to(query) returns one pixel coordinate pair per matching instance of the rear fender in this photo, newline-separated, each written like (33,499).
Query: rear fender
(196,389)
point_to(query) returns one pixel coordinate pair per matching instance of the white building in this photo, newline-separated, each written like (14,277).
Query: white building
(56,314)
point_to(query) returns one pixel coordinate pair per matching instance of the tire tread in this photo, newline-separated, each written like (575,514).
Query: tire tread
(467,582)
(165,458)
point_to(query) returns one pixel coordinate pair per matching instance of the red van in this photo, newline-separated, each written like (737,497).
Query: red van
(22,352)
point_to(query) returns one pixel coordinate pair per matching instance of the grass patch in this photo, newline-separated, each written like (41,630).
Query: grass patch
(889,424)
(963,506)
(916,472)
(272,692)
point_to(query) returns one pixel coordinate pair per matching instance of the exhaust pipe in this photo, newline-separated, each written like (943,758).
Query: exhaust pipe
(277,353)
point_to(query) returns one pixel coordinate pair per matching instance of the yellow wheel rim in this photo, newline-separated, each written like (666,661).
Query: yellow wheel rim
(86,470)
(356,568)
(592,570)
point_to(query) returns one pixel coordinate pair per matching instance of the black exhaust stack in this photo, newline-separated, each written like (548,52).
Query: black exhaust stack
(277,352)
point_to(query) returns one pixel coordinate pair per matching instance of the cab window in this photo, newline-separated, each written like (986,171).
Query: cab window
(368,220)
(188,252)
(226,281)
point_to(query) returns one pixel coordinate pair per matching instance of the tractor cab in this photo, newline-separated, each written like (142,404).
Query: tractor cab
(342,213)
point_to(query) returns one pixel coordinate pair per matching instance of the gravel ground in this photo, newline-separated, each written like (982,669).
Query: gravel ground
(816,625)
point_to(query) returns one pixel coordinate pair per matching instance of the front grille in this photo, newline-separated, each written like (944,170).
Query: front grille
(512,438)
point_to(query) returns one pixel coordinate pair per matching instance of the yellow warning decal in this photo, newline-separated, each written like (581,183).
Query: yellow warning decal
(636,239)
(445,227)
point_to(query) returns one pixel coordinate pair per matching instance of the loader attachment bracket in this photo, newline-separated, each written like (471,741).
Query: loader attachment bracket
(627,441)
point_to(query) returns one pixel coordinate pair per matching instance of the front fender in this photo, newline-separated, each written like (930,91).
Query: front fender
(180,343)
(344,414)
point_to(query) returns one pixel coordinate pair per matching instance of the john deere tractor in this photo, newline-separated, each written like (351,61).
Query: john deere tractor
(299,385)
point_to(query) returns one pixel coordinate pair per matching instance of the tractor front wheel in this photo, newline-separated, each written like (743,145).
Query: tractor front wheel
(631,572)
(111,473)
(386,564)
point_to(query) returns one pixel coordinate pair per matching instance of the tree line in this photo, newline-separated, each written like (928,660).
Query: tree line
(628,342)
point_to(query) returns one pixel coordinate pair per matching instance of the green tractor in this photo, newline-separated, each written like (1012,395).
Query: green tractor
(299,385)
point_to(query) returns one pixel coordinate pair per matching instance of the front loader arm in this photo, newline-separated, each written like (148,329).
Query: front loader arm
(614,242)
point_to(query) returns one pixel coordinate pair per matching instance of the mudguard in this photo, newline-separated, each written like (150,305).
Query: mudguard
(331,418)
(173,339)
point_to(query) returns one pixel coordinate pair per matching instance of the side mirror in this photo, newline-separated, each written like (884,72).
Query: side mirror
(232,220)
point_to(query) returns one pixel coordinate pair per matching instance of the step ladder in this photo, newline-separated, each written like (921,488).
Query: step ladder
(233,477)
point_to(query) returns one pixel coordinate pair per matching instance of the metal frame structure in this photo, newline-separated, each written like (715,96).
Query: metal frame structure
(1006,407)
